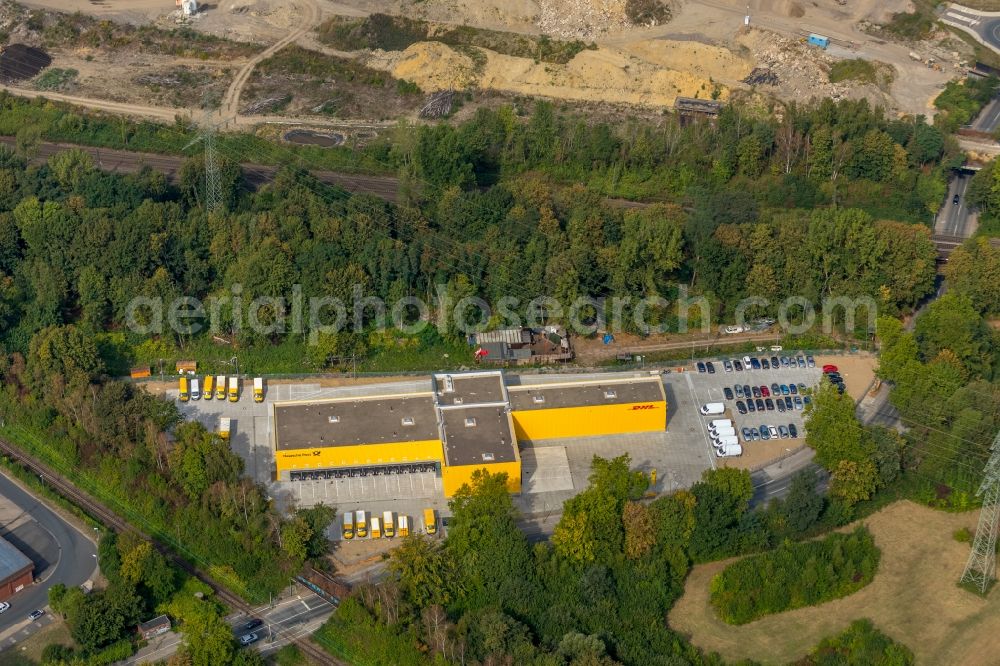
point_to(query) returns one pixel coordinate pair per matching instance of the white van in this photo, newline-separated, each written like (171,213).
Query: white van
(728,440)
(729,451)
(195,389)
(713,408)
(722,432)
(720,423)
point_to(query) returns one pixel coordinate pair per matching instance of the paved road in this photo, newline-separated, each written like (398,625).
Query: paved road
(956,219)
(989,117)
(294,617)
(982,26)
(775,480)
(73,562)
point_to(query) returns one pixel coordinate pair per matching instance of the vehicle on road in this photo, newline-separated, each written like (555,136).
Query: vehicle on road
(35,614)
(247,639)
(4,606)
(955,199)
(711,408)
(251,625)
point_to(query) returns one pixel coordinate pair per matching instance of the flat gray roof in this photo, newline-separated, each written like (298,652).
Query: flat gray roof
(307,425)
(576,394)
(472,389)
(490,440)
(12,561)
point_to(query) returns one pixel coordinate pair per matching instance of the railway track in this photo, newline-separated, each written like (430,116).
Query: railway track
(113,521)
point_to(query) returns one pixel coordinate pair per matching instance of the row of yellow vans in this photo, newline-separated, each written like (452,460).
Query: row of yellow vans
(359,524)
(191,389)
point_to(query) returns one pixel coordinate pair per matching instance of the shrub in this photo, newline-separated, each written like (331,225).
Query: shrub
(857,69)
(795,575)
(963,535)
(861,643)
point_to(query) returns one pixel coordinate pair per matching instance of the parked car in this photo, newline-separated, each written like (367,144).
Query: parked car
(741,407)
(738,389)
(733,330)
(775,389)
(784,389)
(765,434)
(765,392)
(798,402)
(802,388)
(774,362)
(756,391)
(750,406)
(4,606)
(765,364)
(830,368)
(792,389)
(737,366)
(780,404)
(793,432)
(769,404)
(746,362)
(755,364)
(788,403)
(710,367)
(840,388)
(760,404)
(784,361)
(806,400)
(247,639)
(35,614)
(773,431)
(747,435)
(700,366)
(727,366)
(755,433)
(800,361)
(728,392)
(783,432)
(810,361)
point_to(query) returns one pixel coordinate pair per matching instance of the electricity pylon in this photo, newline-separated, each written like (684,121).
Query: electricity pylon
(981,568)
(213,186)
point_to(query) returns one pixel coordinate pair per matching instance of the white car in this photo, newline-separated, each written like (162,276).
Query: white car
(247,639)
(4,606)
(732,330)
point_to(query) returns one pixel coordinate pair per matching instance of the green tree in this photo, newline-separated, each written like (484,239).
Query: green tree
(70,167)
(833,430)
(425,573)
(64,352)
(853,481)
(803,505)
(199,459)
(951,323)
(207,638)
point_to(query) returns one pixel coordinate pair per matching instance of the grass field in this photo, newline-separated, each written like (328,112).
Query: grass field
(914,598)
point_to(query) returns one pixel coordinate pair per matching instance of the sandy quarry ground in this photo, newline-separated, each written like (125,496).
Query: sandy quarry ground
(913,598)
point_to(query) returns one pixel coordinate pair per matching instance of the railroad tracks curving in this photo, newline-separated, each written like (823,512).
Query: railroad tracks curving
(113,521)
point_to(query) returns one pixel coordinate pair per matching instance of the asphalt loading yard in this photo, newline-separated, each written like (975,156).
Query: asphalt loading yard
(552,470)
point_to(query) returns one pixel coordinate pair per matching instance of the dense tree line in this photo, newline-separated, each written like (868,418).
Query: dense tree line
(795,575)
(598,593)
(861,644)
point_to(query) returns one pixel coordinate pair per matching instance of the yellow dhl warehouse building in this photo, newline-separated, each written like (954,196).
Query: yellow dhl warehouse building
(462,422)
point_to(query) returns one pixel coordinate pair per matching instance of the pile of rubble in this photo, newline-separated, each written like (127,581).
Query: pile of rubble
(799,70)
(580,19)
(439,104)
(761,76)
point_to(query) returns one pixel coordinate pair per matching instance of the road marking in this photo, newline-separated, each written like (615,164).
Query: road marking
(704,434)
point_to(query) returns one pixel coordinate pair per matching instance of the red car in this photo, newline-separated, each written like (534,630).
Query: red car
(764,391)
(829,368)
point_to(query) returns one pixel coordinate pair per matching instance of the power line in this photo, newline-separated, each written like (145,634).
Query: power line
(981,567)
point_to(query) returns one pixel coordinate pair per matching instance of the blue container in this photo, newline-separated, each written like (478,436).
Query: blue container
(819,40)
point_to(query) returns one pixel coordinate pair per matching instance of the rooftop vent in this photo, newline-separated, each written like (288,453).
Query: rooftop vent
(449,384)
(611,395)
(470,422)
(458,401)
(538,399)
(333,419)
(488,457)
(407,420)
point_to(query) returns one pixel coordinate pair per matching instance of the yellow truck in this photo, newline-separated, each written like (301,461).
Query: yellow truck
(430,524)
(209,391)
(403,526)
(220,387)
(225,427)
(258,389)
(388,524)
(376,528)
(234,389)
(360,524)
(182,390)
(348,530)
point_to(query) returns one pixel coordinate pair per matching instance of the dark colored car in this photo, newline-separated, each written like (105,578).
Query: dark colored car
(775,363)
(251,625)
(737,366)
(754,364)
(750,406)
(741,407)
(764,392)
(780,405)
(728,392)
(783,431)
(764,434)
(775,389)
(760,404)
(755,391)
(710,367)
(801,361)
(784,361)
(793,432)
(701,366)
(784,389)
(765,364)
(769,404)
(840,388)
(788,403)
(746,391)
(806,400)
(747,435)
(810,361)
(792,389)
(955,199)
(802,388)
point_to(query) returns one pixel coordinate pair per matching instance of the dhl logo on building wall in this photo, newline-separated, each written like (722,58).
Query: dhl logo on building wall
(635,407)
